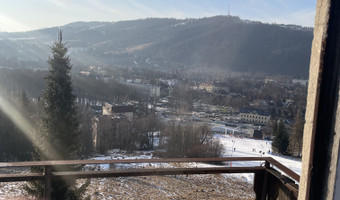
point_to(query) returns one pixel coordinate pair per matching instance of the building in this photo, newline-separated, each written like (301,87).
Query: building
(108,132)
(110,128)
(269,80)
(206,86)
(119,110)
(257,134)
(254,115)
(85,73)
(221,88)
(219,130)
(300,82)
(148,90)
(101,129)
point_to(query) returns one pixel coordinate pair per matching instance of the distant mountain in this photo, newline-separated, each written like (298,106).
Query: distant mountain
(225,42)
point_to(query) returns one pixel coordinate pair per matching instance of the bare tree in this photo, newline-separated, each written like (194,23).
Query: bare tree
(189,140)
(145,128)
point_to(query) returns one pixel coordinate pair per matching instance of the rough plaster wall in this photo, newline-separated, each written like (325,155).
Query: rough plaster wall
(321,21)
(336,153)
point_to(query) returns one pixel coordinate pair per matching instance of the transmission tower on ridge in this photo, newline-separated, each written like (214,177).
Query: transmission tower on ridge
(228,10)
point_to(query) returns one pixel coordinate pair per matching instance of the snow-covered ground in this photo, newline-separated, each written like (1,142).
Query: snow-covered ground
(116,154)
(233,147)
(246,147)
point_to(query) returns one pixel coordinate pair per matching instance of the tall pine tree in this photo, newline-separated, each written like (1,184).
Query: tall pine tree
(281,140)
(59,124)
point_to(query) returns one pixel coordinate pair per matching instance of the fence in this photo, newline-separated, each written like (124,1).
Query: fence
(271,180)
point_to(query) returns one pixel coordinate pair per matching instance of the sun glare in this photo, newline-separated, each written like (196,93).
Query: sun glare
(23,124)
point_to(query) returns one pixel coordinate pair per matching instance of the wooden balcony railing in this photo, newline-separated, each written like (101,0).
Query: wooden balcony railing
(272,179)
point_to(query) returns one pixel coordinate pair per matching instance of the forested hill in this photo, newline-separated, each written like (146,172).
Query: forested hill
(216,42)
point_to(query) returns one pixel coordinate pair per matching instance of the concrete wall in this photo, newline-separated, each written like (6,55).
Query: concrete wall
(321,140)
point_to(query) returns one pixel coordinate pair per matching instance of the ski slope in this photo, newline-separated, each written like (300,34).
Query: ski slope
(246,147)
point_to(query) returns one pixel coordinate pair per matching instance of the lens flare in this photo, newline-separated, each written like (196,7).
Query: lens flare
(23,124)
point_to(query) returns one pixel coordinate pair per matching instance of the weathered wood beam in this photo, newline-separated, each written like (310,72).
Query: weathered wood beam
(126,173)
(165,160)
(21,177)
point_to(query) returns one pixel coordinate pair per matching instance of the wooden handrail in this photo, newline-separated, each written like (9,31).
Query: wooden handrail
(156,172)
(286,181)
(21,177)
(261,171)
(129,172)
(126,161)
(54,163)
(283,168)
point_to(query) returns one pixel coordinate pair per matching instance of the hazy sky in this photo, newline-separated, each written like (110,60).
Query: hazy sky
(22,15)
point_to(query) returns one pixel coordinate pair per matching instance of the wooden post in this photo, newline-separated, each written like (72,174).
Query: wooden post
(48,183)
(265,182)
(273,187)
(259,179)
(264,186)
(262,189)
(285,193)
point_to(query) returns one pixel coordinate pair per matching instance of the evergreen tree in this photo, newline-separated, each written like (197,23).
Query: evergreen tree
(24,101)
(14,145)
(296,137)
(281,140)
(6,131)
(59,125)
(274,127)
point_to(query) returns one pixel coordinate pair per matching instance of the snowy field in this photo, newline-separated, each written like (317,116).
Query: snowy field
(233,147)
(246,147)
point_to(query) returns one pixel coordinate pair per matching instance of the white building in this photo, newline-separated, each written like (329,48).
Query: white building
(254,115)
(206,86)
